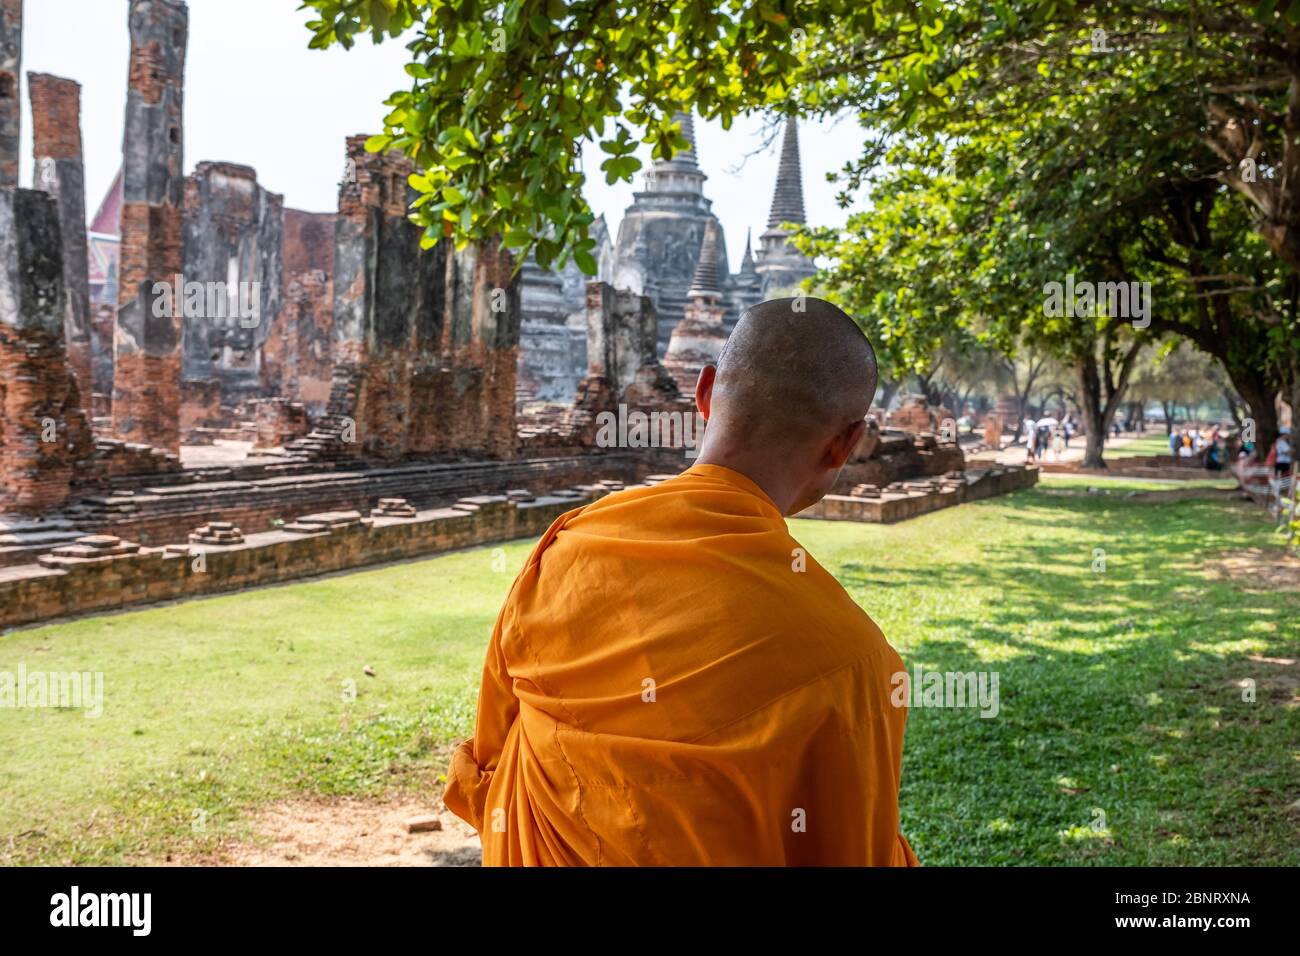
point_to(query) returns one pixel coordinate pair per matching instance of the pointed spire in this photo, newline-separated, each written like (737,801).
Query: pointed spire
(747,263)
(688,155)
(706,283)
(787,198)
(682,173)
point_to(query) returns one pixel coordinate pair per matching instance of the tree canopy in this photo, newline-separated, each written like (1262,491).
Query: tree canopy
(1006,146)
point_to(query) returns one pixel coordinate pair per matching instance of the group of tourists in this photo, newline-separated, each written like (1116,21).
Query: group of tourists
(1217,449)
(1204,443)
(1046,434)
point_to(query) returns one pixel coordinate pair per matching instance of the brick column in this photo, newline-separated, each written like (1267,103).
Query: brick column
(43,432)
(496,322)
(234,234)
(147,336)
(11,57)
(388,296)
(425,341)
(622,329)
(56,142)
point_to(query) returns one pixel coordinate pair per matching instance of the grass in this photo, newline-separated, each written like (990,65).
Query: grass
(1152,443)
(1122,736)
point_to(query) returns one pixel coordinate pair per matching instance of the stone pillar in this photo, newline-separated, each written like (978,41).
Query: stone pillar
(147,334)
(487,425)
(11,58)
(56,142)
(297,363)
(388,308)
(234,233)
(425,341)
(43,432)
(622,334)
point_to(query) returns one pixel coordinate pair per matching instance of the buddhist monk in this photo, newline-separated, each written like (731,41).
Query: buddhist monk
(673,680)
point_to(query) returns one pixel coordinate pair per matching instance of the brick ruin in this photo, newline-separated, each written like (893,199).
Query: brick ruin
(297,358)
(147,333)
(233,236)
(56,141)
(11,106)
(425,343)
(43,431)
(200,371)
(698,338)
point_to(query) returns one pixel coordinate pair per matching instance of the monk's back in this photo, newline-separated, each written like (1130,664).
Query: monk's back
(693,590)
(692,689)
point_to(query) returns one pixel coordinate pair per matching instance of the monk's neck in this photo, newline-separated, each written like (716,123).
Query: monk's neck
(774,480)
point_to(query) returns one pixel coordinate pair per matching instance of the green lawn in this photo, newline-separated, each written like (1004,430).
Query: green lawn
(1152,443)
(1122,736)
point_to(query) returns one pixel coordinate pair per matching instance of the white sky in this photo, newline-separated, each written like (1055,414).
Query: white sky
(256,95)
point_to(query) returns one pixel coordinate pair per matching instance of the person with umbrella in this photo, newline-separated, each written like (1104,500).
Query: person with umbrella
(1043,434)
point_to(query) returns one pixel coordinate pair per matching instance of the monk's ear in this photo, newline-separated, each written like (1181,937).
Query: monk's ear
(704,389)
(845,443)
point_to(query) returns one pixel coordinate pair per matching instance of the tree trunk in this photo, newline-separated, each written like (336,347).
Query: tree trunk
(1234,407)
(1101,391)
(1258,396)
(1093,412)
(887,390)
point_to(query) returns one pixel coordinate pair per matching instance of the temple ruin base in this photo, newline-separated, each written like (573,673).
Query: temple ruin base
(909,499)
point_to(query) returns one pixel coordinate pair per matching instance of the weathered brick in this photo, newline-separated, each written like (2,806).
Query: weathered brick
(56,147)
(11,53)
(43,432)
(147,345)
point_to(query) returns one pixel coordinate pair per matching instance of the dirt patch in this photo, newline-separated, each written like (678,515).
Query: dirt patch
(1257,569)
(1275,679)
(354,833)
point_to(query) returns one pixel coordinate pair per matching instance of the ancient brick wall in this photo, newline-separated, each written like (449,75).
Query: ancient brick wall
(201,408)
(913,415)
(156,508)
(43,431)
(233,242)
(103,319)
(11,52)
(298,363)
(622,334)
(475,390)
(622,369)
(308,242)
(425,342)
(105,572)
(899,501)
(279,421)
(297,360)
(56,147)
(147,339)
(897,457)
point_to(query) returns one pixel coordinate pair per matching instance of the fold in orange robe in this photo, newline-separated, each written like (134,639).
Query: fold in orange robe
(665,687)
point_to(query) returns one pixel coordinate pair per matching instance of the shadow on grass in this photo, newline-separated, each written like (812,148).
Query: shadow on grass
(1124,736)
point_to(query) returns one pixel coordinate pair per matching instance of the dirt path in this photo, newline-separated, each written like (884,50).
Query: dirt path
(352,833)
(1257,568)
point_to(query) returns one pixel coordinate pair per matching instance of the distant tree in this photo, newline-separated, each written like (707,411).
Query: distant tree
(1177,375)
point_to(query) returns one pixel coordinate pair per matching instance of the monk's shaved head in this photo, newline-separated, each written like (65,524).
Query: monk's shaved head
(787,399)
(794,371)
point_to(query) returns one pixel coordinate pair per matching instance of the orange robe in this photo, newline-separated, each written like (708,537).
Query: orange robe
(664,687)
